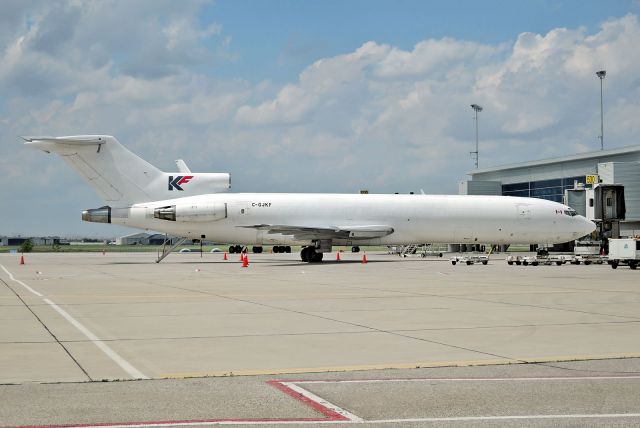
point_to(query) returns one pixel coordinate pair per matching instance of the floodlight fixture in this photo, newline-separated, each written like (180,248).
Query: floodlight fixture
(601,75)
(477,109)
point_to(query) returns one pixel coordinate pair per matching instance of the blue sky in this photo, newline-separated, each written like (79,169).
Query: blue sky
(293,33)
(306,96)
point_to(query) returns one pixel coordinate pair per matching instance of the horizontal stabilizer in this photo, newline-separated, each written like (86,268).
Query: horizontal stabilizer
(89,140)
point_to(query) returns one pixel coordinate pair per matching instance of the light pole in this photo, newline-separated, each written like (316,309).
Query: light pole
(601,75)
(477,109)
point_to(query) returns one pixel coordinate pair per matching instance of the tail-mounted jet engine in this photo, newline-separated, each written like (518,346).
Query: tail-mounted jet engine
(192,213)
(97,215)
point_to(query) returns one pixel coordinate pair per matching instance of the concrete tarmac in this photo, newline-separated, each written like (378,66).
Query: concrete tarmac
(68,318)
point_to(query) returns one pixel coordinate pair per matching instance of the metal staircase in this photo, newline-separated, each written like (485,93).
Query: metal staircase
(166,250)
(408,249)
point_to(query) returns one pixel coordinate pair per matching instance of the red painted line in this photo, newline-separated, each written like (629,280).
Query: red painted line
(330,415)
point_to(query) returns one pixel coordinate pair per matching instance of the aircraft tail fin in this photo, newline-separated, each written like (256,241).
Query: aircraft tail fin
(120,177)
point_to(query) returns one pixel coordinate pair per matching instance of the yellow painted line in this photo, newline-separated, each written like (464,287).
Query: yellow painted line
(423,364)
(361,367)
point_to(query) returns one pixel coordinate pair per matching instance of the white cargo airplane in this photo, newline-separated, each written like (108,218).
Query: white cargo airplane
(191,205)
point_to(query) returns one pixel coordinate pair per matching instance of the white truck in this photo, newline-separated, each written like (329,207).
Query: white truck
(624,251)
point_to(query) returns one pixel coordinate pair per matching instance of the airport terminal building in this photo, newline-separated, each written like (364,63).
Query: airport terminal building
(551,178)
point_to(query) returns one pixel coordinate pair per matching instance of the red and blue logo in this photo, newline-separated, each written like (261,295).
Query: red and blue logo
(177,182)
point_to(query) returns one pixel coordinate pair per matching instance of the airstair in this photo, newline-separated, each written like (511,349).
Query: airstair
(408,249)
(166,249)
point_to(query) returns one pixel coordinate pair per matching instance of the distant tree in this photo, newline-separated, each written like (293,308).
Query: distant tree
(55,246)
(26,246)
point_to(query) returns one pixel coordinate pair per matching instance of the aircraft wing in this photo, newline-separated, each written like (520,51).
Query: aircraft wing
(325,232)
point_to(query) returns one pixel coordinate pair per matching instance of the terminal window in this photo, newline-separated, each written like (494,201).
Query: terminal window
(552,190)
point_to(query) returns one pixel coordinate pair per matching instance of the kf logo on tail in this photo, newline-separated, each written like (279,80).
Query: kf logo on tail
(175,183)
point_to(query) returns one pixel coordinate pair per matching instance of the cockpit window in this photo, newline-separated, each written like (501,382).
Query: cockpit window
(570,212)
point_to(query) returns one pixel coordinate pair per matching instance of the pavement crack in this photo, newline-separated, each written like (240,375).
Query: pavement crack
(26,305)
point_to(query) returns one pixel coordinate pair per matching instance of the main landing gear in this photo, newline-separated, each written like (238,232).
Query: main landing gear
(237,249)
(309,254)
(241,249)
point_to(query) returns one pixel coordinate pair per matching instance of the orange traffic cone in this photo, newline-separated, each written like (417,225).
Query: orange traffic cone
(241,256)
(364,259)
(245,261)
(225,256)
(337,256)
(22,259)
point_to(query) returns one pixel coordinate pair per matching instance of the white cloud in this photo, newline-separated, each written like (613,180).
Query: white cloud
(378,117)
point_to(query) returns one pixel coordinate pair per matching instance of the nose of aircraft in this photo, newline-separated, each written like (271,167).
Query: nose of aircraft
(586,226)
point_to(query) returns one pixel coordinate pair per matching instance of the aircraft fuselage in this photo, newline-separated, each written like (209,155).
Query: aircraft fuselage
(412,218)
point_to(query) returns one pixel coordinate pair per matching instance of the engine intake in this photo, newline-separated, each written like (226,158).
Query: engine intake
(165,213)
(192,213)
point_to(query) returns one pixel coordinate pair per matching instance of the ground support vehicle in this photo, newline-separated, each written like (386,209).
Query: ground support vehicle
(588,259)
(588,252)
(470,259)
(514,260)
(542,259)
(624,251)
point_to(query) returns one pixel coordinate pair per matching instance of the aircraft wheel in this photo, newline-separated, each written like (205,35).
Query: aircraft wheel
(304,254)
(484,262)
(315,256)
(633,266)
(510,263)
(232,249)
(558,263)
(256,250)
(355,249)
(614,265)
(287,249)
(468,262)
(453,262)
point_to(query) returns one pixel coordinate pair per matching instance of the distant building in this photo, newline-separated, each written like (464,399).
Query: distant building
(159,238)
(133,239)
(143,238)
(10,241)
